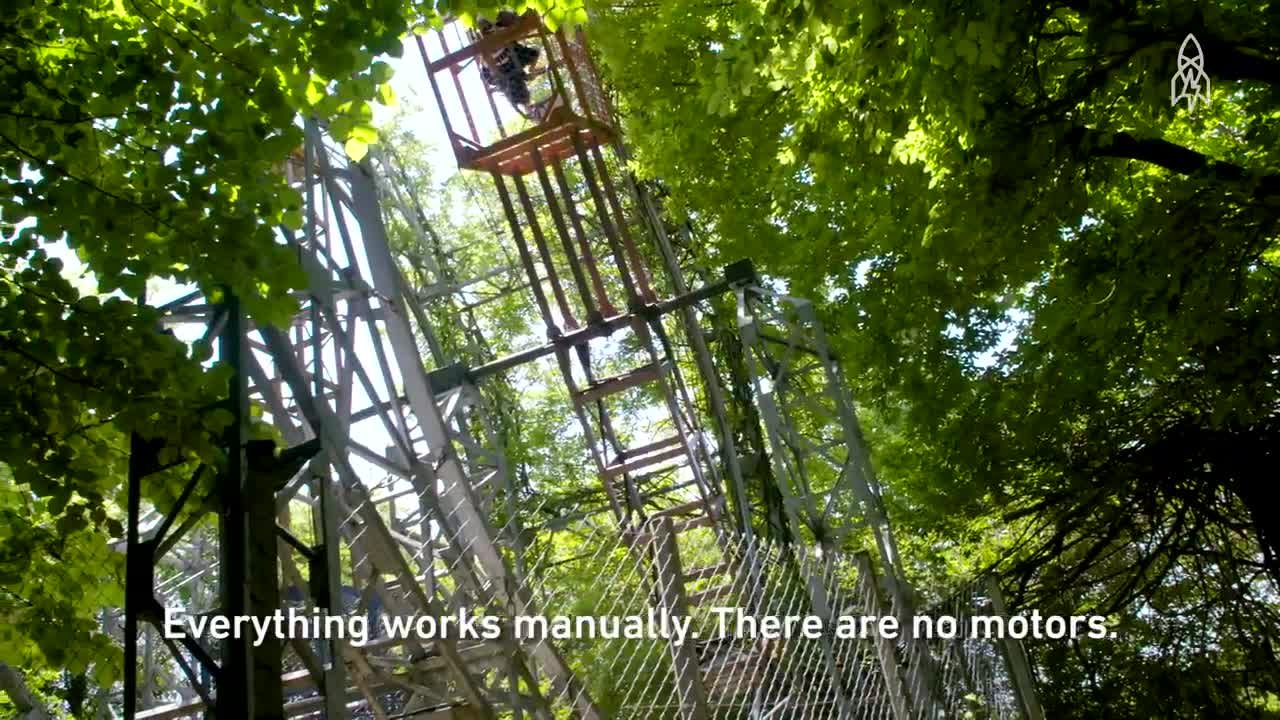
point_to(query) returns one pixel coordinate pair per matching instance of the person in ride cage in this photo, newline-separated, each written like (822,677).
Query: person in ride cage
(506,69)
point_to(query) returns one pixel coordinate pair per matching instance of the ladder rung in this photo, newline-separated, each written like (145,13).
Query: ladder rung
(640,480)
(693,523)
(632,537)
(682,509)
(650,455)
(650,447)
(710,594)
(710,509)
(735,677)
(709,571)
(618,383)
(720,664)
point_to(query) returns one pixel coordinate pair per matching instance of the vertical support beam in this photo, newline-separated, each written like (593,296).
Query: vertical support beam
(325,512)
(457,84)
(702,353)
(602,213)
(1016,657)
(628,242)
(435,90)
(544,252)
(445,472)
(865,484)
(623,508)
(262,580)
(148,668)
(513,681)
(575,267)
(335,681)
(762,384)
(234,687)
(706,490)
(588,257)
(526,259)
(820,606)
(684,661)
(885,652)
(134,579)
(376,537)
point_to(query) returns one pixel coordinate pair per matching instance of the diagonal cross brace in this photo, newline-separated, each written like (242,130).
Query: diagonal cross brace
(377,540)
(449,477)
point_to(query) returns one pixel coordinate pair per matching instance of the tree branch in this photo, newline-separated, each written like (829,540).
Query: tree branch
(1170,156)
(54,120)
(19,350)
(1229,61)
(24,700)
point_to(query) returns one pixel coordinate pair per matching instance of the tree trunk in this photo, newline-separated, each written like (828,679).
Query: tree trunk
(1256,489)
(77,693)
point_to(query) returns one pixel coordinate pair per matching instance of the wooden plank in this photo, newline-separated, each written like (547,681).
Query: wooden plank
(709,571)
(553,139)
(694,523)
(489,43)
(713,508)
(718,592)
(635,463)
(618,383)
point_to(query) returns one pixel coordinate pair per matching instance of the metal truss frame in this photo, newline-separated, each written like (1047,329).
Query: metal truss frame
(351,345)
(828,485)
(407,529)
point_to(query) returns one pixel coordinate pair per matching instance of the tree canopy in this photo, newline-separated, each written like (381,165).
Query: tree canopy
(1054,291)
(143,136)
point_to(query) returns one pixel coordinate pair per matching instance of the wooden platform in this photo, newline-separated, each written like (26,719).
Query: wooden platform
(552,139)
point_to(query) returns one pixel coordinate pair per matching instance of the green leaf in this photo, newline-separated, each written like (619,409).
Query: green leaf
(341,127)
(387,96)
(356,149)
(381,72)
(364,133)
(201,350)
(218,419)
(315,91)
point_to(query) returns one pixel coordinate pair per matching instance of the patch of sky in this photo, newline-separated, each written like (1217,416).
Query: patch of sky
(1006,340)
